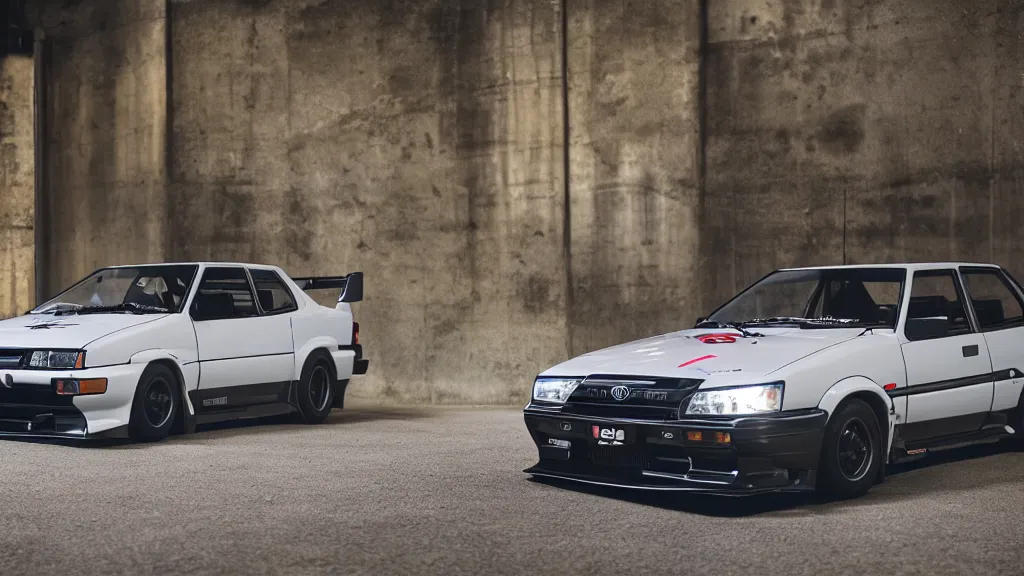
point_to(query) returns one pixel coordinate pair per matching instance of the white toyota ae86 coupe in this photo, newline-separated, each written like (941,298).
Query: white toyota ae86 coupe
(810,379)
(141,351)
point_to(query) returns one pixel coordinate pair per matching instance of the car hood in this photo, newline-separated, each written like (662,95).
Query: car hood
(685,354)
(71,331)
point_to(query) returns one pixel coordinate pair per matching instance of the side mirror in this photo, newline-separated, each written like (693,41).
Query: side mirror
(699,320)
(926,328)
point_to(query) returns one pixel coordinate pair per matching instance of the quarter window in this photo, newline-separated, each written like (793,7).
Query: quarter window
(934,295)
(995,303)
(223,293)
(273,294)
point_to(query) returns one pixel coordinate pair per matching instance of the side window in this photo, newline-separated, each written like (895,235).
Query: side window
(273,294)
(934,294)
(223,293)
(995,303)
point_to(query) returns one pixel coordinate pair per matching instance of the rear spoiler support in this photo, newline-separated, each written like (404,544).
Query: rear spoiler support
(351,285)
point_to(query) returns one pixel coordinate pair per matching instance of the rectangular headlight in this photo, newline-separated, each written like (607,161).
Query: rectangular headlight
(555,390)
(57,359)
(737,401)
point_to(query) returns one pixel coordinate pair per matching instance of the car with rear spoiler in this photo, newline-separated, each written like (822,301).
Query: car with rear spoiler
(811,379)
(143,351)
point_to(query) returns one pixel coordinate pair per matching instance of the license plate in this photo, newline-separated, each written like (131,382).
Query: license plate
(609,435)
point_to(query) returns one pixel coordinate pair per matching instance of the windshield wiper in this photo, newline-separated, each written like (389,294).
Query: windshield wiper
(826,321)
(55,308)
(132,307)
(733,325)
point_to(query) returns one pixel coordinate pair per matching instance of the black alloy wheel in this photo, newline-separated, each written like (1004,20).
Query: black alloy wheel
(156,404)
(851,451)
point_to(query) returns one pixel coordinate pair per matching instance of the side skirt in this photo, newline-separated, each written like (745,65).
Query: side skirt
(243,402)
(251,401)
(910,442)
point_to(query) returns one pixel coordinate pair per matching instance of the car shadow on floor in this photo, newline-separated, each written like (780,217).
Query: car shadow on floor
(250,426)
(342,417)
(804,504)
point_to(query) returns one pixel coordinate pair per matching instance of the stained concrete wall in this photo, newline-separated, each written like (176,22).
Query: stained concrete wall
(634,150)
(419,142)
(17,186)
(105,137)
(422,142)
(862,132)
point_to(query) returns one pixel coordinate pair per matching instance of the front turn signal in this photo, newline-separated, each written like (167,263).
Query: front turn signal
(80,387)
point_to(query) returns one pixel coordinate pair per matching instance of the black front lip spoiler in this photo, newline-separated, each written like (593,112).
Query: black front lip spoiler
(769,453)
(724,490)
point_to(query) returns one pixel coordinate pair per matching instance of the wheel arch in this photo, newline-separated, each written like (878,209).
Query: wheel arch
(868,391)
(185,423)
(321,345)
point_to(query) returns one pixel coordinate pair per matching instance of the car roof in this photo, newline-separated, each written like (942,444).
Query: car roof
(905,266)
(245,264)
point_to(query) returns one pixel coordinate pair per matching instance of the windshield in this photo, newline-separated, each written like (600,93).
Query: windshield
(822,298)
(138,289)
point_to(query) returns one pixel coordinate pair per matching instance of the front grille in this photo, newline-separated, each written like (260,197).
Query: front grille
(11,358)
(38,409)
(33,395)
(646,398)
(617,456)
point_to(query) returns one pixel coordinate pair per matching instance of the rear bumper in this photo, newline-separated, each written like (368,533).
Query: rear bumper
(761,454)
(360,366)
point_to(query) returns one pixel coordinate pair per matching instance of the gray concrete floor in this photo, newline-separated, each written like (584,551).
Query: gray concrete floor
(394,491)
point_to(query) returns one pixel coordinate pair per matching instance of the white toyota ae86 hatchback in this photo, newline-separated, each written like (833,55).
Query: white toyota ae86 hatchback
(142,351)
(810,379)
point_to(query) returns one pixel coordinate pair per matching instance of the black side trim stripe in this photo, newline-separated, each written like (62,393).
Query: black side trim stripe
(246,357)
(954,383)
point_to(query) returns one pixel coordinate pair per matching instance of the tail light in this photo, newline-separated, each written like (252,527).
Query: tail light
(355,332)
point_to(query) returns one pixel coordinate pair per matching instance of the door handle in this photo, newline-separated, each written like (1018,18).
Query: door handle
(971,350)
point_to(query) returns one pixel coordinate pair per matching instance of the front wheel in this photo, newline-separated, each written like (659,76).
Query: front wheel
(155,406)
(851,453)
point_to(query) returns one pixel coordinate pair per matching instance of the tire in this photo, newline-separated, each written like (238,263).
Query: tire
(156,404)
(315,389)
(851,452)
(1017,423)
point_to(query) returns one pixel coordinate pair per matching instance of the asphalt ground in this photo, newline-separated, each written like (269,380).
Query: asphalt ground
(405,491)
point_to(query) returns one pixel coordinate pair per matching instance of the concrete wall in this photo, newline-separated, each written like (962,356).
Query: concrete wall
(17,186)
(862,132)
(419,142)
(634,185)
(422,143)
(105,137)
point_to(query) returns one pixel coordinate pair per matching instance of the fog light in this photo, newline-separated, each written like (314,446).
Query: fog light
(81,387)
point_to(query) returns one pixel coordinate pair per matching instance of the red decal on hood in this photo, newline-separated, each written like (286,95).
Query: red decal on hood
(695,360)
(717,338)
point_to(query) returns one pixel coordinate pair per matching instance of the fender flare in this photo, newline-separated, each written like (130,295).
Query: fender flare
(158,355)
(302,354)
(859,384)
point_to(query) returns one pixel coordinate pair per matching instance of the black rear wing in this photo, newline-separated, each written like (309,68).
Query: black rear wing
(351,285)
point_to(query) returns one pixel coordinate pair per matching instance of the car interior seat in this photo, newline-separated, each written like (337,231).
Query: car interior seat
(266,299)
(214,305)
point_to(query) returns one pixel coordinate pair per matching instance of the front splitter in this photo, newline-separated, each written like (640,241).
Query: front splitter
(689,486)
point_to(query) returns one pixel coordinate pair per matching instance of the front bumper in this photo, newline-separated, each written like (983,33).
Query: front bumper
(766,453)
(30,407)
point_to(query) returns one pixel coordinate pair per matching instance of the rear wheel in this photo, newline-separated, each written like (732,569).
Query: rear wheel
(316,390)
(1017,422)
(851,453)
(155,406)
